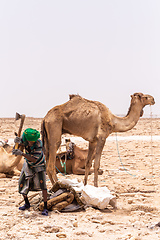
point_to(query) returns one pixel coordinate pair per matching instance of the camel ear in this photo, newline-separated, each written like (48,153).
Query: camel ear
(140,95)
(132,98)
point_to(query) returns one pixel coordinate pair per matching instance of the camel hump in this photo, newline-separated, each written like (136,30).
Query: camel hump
(74,95)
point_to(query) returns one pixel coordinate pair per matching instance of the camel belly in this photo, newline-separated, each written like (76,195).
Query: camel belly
(85,127)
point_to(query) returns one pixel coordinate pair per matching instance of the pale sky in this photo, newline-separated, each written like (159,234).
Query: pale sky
(104,50)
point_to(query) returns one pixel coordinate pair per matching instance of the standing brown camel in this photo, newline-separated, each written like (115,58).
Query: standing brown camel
(90,120)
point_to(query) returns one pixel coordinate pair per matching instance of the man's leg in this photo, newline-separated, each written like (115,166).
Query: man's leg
(26,205)
(42,180)
(45,211)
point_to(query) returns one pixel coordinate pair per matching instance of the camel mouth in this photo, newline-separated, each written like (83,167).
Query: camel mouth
(152,102)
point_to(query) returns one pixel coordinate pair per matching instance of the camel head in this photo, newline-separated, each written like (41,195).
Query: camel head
(142,100)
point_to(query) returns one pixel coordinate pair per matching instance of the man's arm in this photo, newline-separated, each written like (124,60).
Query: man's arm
(27,156)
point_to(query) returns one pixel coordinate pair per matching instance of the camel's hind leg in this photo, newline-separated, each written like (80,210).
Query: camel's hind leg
(99,148)
(50,177)
(89,159)
(54,131)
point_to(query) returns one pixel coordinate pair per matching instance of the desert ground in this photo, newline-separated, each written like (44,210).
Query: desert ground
(131,173)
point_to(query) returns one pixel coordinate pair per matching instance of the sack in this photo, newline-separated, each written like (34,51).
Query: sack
(98,197)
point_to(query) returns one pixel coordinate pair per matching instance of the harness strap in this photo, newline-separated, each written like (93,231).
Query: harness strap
(68,155)
(63,164)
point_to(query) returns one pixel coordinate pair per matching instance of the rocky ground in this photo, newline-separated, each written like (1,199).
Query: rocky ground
(131,173)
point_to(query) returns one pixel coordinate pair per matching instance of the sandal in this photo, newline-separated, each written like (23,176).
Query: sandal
(24,207)
(45,212)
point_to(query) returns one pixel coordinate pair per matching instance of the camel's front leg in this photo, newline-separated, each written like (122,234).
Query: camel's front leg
(99,148)
(89,159)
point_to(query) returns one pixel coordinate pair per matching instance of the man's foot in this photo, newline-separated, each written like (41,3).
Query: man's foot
(24,207)
(45,212)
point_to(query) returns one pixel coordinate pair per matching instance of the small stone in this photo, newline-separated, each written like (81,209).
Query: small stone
(75,224)
(143,178)
(96,221)
(61,235)
(2,190)
(130,201)
(52,229)
(55,229)
(97,217)
(4,214)
(102,230)
(84,233)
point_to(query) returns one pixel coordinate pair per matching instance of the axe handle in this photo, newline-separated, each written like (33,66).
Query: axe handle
(20,129)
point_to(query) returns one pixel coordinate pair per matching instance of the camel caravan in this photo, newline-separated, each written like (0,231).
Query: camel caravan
(92,121)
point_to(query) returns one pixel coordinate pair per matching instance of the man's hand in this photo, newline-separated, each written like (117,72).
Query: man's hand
(17,152)
(17,140)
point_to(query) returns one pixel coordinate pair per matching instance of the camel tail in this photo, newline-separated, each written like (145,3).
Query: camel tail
(44,140)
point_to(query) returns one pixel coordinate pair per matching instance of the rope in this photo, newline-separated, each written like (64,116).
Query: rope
(151,149)
(63,164)
(61,172)
(120,158)
(151,139)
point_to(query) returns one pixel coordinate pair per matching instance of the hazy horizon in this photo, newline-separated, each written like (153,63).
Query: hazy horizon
(102,50)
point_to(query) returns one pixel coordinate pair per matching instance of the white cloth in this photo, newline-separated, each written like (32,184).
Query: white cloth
(96,196)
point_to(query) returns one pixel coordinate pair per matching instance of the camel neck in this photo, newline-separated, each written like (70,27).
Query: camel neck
(123,124)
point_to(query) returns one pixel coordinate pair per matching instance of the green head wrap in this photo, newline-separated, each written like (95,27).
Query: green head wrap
(30,135)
